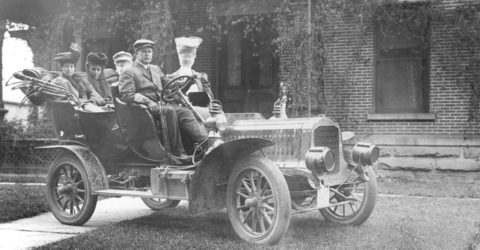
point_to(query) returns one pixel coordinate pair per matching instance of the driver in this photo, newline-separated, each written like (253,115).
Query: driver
(142,83)
(187,49)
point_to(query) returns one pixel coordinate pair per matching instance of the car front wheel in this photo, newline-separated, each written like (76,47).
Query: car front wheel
(258,201)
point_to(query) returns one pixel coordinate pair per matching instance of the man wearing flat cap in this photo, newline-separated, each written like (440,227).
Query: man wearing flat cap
(95,67)
(122,60)
(142,83)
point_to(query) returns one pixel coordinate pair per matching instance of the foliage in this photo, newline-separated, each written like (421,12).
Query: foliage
(19,201)
(137,19)
(15,133)
(466,23)
(303,34)
(308,29)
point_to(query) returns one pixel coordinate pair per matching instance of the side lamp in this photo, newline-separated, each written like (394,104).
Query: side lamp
(216,123)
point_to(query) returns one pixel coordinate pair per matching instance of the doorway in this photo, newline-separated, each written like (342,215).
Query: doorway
(247,70)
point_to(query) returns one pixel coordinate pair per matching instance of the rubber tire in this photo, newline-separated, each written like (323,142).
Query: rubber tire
(159,206)
(90,200)
(366,208)
(277,182)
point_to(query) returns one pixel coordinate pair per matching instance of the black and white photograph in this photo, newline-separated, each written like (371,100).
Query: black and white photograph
(239,124)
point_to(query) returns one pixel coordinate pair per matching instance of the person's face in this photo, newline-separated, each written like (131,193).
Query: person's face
(186,59)
(68,69)
(285,90)
(95,70)
(120,66)
(145,55)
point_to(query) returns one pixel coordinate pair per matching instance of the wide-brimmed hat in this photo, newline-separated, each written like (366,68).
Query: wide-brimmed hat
(97,58)
(143,43)
(72,56)
(187,44)
(122,56)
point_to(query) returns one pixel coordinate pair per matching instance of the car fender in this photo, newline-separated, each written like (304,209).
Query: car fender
(96,174)
(208,188)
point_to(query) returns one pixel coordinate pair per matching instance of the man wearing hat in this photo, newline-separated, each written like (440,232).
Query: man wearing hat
(95,67)
(122,60)
(83,93)
(142,83)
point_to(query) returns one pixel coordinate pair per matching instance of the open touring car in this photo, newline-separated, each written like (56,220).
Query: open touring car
(262,171)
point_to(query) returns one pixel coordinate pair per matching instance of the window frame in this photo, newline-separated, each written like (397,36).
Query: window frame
(425,63)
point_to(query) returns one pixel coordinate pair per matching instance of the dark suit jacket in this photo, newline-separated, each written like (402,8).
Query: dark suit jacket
(136,84)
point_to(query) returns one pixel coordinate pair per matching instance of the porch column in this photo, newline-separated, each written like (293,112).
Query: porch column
(78,34)
(152,33)
(3,29)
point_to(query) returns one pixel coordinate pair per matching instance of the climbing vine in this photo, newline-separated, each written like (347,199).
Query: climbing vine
(303,34)
(306,31)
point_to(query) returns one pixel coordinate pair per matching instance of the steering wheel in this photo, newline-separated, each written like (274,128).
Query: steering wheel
(172,88)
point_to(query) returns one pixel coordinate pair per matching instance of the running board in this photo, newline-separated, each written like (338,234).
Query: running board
(132,193)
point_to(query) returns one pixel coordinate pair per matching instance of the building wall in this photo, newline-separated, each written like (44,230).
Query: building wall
(434,145)
(448,145)
(449,94)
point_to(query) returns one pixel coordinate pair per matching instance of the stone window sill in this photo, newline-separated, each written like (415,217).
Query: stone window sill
(401,117)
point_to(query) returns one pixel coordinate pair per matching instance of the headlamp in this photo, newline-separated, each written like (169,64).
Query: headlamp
(320,159)
(365,154)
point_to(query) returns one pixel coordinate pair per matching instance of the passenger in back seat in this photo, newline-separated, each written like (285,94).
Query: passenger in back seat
(122,60)
(95,67)
(78,89)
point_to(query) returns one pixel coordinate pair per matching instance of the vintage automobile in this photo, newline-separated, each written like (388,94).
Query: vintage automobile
(262,171)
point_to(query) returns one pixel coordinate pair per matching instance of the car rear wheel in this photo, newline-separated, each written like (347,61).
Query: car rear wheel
(159,204)
(258,201)
(362,197)
(68,191)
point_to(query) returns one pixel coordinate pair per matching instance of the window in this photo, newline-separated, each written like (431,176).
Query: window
(401,68)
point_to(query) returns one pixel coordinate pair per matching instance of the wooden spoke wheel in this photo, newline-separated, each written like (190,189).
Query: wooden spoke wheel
(362,196)
(258,201)
(68,191)
(159,204)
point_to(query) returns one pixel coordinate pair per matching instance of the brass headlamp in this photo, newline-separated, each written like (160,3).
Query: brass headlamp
(365,154)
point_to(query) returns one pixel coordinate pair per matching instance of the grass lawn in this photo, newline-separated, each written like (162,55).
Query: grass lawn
(18,201)
(22,179)
(404,186)
(440,222)
(397,223)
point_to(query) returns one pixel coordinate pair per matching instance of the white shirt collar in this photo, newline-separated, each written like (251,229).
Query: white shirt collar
(145,66)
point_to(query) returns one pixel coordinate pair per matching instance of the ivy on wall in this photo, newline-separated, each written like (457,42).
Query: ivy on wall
(303,32)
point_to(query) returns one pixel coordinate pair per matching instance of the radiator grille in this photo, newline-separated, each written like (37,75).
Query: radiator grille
(327,136)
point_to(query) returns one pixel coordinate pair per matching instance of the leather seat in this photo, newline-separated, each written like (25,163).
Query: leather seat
(138,127)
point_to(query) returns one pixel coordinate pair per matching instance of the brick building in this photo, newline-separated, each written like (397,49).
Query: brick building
(413,105)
